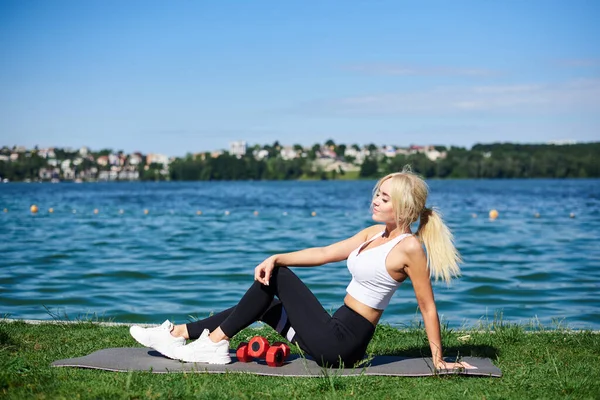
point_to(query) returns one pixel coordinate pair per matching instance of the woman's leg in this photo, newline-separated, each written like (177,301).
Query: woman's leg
(328,339)
(274,316)
(342,338)
(296,297)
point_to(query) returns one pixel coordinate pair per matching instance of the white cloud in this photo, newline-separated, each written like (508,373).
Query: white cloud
(504,89)
(404,70)
(581,63)
(581,95)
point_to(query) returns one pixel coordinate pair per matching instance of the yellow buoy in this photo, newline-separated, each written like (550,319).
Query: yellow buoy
(96,211)
(51,210)
(198,212)
(572,215)
(33,208)
(314,213)
(255,212)
(227,212)
(6,210)
(493,214)
(146,211)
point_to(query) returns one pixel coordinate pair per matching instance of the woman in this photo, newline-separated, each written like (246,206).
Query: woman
(379,258)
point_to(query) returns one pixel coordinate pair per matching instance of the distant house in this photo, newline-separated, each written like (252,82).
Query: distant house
(135,159)
(288,153)
(127,175)
(157,159)
(113,159)
(108,175)
(45,173)
(358,155)
(237,149)
(434,154)
(260,154)
(350,152)
(388,151)
(47,153)
(102,161)
(69,174)
(327,152)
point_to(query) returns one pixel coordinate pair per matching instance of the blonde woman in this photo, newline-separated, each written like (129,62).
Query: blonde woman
(380,258)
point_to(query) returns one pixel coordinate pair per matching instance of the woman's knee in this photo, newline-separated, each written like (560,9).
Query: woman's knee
(282,273)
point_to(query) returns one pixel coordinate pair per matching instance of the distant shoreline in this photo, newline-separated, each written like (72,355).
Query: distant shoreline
(302,180)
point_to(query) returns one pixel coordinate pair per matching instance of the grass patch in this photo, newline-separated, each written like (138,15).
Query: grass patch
(545,364)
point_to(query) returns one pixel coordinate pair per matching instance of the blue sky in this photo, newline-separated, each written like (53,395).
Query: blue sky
(188,76)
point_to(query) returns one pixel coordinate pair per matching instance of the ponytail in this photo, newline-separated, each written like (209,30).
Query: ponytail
(409,195)
(442,256)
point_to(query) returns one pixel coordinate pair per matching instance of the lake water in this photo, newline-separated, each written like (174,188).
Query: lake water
(125,265)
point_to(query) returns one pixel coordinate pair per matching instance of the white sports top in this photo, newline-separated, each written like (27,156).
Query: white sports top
(371,283)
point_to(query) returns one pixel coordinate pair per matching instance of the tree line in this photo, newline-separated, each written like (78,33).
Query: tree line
(482,161)
(487,161)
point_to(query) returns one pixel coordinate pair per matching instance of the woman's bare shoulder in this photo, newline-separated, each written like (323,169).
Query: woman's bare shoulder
(408,252)
(373,229)
(412,244)
(410,247)
(413,248)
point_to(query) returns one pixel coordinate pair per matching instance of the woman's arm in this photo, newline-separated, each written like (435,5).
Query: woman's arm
(313,256)
(416,269)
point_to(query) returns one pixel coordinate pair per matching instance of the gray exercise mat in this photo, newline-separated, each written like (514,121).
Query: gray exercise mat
(146,359)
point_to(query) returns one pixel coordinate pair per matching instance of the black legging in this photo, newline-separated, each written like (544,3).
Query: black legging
(330,340)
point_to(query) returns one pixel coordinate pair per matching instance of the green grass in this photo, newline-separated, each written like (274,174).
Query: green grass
(545,364)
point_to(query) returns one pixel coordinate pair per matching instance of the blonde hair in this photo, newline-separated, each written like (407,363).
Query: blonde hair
(409,195)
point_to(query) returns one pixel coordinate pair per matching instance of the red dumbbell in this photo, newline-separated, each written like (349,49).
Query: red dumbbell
(284,347)
(242,353)
(275,357)
(258,347)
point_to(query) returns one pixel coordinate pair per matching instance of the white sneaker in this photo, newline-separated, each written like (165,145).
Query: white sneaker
(204,350)
(159,336)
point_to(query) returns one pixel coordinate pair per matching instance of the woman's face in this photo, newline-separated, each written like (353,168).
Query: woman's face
(382,204)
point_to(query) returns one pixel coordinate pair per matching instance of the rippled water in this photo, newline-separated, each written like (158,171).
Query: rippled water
(173,263)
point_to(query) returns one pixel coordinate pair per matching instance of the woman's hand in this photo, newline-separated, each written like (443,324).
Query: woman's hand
(262,272)
(441,364)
